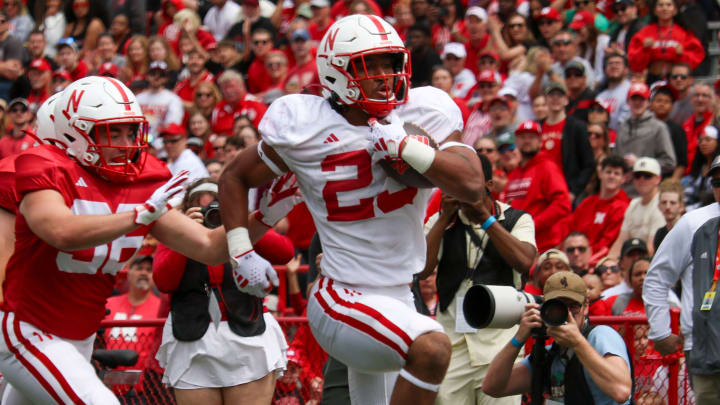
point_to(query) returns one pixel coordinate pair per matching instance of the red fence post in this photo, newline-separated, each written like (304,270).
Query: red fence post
(674,366)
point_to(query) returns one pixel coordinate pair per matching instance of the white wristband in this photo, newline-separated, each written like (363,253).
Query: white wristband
(238,241)
(418,155)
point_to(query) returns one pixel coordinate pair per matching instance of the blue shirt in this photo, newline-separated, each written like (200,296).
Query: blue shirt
(605,340)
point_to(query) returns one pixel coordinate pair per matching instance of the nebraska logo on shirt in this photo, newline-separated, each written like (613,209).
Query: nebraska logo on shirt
(599,218)
(518,188)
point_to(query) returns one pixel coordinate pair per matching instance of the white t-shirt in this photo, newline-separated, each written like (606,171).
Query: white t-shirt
(371,226)
(189,161)
(161,109)
(616,99)
(642,221)
(464,81)
(219,20)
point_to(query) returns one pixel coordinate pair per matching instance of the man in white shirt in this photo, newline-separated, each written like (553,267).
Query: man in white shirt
(161,106)
(221,16)
(454,56)
(179,156)
(615,96)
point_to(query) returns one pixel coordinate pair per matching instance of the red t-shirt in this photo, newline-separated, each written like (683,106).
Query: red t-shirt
(301,76)
(302,227)
(8,198)
(474,51)
(36,98)
(10,145)
(600,220)
(552,141)
(223,115)
(259,79)
(186,89)
(316,33)
(64,293)
(80,71)
(144,341)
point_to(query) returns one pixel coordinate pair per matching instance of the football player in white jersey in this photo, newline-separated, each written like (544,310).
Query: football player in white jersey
(361,311)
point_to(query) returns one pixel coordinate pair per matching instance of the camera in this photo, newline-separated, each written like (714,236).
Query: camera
(211,215)
(499,306)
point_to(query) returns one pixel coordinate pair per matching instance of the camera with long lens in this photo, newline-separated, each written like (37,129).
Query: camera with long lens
(498,306)
(211,215)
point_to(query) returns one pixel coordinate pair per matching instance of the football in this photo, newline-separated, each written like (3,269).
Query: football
(404,174)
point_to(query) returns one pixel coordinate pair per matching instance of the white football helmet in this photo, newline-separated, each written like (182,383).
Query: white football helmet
(341,62)
(45,130)
(90,103)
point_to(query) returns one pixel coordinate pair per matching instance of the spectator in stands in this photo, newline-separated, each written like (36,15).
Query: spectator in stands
(594,285)
(512,39)
(11,55)
(600,216)
(454,56)
(538,187)
(218,144)
(84,24)
(179,157)
(599,140)
(35,48)
(17,140)
(548,263)
(549,23)
(68,58)
(540,107)
(509,159)
(39,74)
(233,146)
(698,190)
(134,10)
(138,60)
(159,51)
(321,19)
(642,217)
(138,303)
(625,24)
(120,30)
(643,134)
(185,89)
(565,141)
(220,17)
(199,127)
(488,146)
(214,168)
(702,99)
(261,44)
(681,80)
(442,78)
(577,248)
(249,134)
(501,117)
(107,51)
(609,271)
(304,74)
(662,43)
(161,106)
(201,342)
(478,37)
(564,50)
(592,41)
(51,22)
(4,119)
(422,52)
(276,64)
(632,250)
(686,255)
(235,102)
(631,303)
(580,94)
(672,206)
(455,243)
(478,123)
(192,34)
(206,97)
(618,84)
(661,104)
(21,23)
(523,71)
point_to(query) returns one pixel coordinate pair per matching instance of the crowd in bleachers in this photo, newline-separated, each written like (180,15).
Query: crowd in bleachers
(616,95)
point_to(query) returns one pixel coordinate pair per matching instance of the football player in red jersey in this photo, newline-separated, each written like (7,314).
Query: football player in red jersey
(370,225)
(85,205)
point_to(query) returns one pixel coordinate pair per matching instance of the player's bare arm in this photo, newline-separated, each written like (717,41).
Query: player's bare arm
(457,171)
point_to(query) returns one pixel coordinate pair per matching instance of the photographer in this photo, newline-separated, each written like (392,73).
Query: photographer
(488,242)
(218,345)
(585,365)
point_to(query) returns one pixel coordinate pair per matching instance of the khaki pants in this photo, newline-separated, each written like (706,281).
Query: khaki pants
(463,382)
(706,389)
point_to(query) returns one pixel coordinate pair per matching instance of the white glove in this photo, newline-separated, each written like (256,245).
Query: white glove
(277,201)
(161,199)
(250,271)
(392,143)
(386,139)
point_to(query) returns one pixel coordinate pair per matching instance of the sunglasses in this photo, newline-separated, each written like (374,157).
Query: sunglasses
(507,148)
(592,134)
(172,140)
(620,9)
(18,110)
(642,175)
(715,183)
(485,150)
(218,147)
(199,95)
(545,22)
(513,26)
(580,249)
(602,269)
(274,64)
(486,85)
(676,77)
(582,3)
(3,21)
(261,41)
(574,73)
(563,42)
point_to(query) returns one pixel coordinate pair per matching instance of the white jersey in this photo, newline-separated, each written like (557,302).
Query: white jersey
(371,226)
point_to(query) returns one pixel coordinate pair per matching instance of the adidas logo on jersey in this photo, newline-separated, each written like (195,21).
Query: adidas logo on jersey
(331,138)
(81,182)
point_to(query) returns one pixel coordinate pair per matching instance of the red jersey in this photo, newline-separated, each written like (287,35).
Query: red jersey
(539,188)
(144,341)
(259,79)
(693,132)
(186,88)
(9,145)
(36,98)
(552,141)
(301,76)
(60,292)
(600,220)
(8,197)
(474,51)
(223,115)
(663,48)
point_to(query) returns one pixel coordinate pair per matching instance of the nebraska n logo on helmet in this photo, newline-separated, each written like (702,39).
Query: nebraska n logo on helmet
(341,63)
(96,102)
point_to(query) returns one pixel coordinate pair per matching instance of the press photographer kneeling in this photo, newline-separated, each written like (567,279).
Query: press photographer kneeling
(599,352)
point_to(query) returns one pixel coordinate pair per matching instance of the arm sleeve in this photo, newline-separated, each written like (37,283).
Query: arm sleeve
(275,248)
(34,172)
(639,58)
(168,268)
(670,261)
(693,52)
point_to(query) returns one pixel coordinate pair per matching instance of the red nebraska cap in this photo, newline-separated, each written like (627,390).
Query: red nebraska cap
(639,89)
(488,76)
(548,13)
(172,129)
(582,19)
(40,64)
(528,126)
(108,69)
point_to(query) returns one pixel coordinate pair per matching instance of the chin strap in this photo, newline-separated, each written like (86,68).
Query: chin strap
(417,382)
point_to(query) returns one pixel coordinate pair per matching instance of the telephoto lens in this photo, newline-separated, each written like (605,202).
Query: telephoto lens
(211,215)
(554,312)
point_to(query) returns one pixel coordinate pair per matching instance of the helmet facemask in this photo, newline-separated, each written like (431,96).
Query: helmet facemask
(124,162)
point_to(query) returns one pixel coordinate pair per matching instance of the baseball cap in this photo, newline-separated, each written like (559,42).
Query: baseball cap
(575,64)
(714,165)
(529,126)
(565,284)
(496,99)
(582,19)
(602,104)
(550,87)
(319,3)
(64,74)
(172,129)
(633,244)
(108,69)
(251,3)
(490,54)
(548,13)
(488,76)
(622,3)
(195,141)
(506,138)
(67,41)
(18,100)
(158,65)
(639,89)
(478,12)
(40,64)
(141,259)
(300,33)
(661,86)
(553,254)
(508,91)
(454,48)
(647,165)
(710,131)
(304,10)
